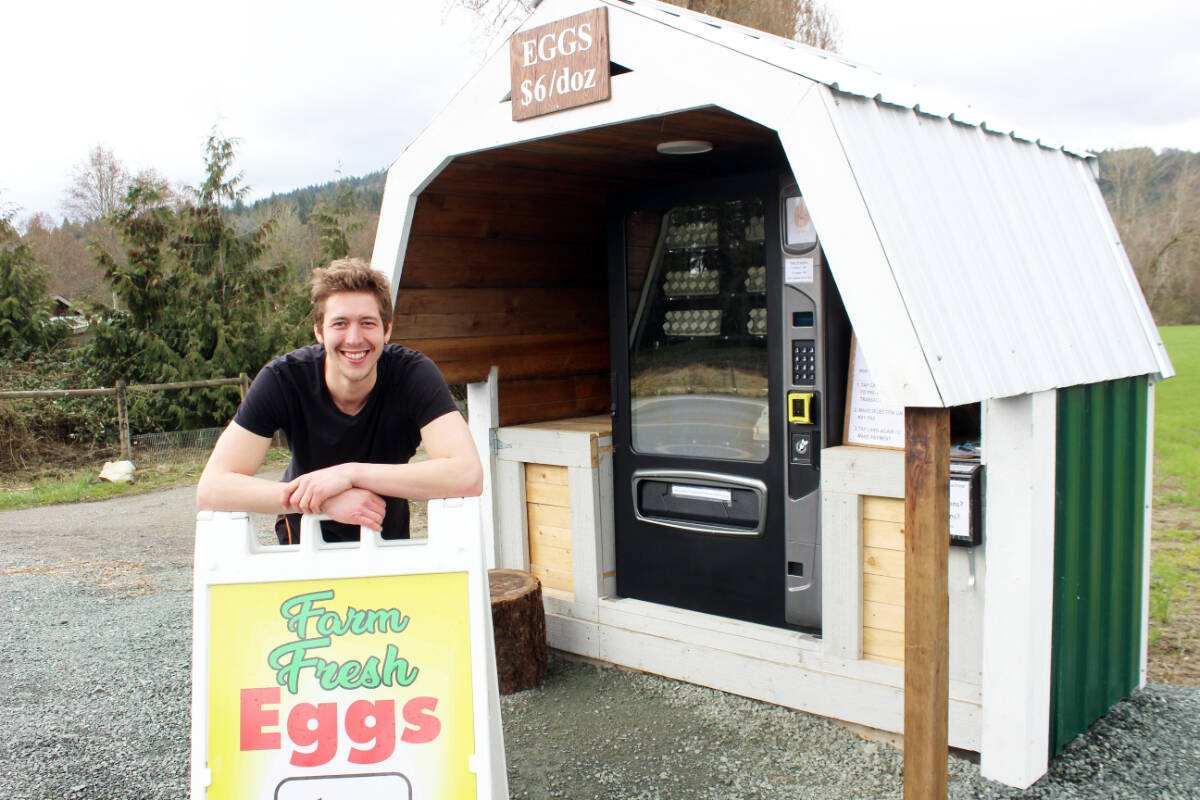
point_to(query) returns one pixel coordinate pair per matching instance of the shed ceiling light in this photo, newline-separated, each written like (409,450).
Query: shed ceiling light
(684,147)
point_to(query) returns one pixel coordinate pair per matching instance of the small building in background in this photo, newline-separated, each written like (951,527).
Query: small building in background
(663,250)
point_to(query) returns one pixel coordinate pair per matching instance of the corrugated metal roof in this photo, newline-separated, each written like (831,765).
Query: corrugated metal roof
(1000,243)
(975,262)
(1003,254)
(839,73)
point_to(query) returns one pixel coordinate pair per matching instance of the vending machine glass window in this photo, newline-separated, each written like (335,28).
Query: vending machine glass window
(698,332)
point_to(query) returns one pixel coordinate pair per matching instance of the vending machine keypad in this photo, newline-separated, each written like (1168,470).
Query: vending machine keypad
(804,362)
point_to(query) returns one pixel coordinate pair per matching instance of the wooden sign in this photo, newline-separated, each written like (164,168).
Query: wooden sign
(560,65)
(869,420)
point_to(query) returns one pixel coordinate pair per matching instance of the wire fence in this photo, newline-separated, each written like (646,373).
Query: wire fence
(177,447)
(162,447)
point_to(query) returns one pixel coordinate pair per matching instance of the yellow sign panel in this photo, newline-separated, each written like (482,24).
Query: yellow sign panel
(342,688)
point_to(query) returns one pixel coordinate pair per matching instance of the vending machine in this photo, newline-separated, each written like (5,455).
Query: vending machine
(729,354)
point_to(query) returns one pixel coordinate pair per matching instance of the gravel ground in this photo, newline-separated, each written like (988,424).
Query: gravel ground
(94,655)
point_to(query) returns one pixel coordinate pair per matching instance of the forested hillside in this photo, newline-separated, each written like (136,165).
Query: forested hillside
(1155,202)
(368,190)
(66,250)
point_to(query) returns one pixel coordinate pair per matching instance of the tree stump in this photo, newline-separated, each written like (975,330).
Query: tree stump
(519,629)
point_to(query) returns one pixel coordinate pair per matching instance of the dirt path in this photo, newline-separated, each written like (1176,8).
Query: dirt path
(148,536)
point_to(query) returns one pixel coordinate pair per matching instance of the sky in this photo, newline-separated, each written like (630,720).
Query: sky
(318,90)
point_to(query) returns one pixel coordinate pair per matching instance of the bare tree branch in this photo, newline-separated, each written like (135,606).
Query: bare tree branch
(806,21)
(98,183)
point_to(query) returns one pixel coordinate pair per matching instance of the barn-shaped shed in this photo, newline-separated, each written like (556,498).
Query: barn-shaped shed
(669,420)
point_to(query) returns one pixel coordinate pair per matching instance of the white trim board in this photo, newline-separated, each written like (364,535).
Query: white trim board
(787,668)
(1019,445)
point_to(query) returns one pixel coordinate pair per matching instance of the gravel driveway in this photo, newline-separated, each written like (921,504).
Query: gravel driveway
(94,650)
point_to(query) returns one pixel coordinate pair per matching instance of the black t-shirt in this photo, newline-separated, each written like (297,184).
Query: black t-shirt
(290,394)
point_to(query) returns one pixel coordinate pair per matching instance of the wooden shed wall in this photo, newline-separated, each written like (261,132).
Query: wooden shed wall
(502,269)
(506,261)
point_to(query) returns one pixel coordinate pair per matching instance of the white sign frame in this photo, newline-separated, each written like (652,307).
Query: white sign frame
(227,552)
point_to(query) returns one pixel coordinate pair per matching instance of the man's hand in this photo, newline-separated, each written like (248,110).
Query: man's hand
(356,507)
(309,492)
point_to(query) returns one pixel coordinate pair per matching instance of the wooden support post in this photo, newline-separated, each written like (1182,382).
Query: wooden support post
(243,385)
(123,422)
(926,601)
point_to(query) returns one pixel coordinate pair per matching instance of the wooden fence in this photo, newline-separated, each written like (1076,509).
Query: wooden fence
(121,390)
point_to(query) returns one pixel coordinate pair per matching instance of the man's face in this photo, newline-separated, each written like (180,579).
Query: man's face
(353,335)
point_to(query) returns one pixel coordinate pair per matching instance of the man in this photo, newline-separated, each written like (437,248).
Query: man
(353,409)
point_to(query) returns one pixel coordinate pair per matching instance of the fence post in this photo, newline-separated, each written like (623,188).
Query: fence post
(123,421)
(244,386)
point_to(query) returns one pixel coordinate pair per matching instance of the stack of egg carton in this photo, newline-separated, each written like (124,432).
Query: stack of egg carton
(756,325)
(755,230)
(756,279)
(701,281)
(694,322)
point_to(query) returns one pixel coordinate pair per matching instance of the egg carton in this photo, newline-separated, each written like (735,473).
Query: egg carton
(693,234)
(756,229)
(705,281)
(756,325)
(693,322)
(756,279)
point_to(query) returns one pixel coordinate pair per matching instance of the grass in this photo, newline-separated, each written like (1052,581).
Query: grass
(1175,561)
(81,484)
(1177,421)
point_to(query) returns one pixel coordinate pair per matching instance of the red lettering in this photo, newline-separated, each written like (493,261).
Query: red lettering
(381,730)
(418,713)
(313,725)
(254,718)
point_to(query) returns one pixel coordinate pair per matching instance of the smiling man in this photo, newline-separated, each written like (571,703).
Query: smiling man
(353,409)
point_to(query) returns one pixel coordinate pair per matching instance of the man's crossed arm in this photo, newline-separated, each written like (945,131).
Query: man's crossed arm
(352,492)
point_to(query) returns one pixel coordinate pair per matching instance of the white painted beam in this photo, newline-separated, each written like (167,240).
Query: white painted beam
(1019,449)
(1147,507)
(483,417)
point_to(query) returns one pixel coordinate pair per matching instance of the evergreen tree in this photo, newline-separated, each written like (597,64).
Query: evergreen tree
(195,303)
(333,221)
(25,307)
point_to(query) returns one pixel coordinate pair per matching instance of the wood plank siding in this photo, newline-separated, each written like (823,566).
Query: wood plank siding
(548,506)
(883,579)
(506,261)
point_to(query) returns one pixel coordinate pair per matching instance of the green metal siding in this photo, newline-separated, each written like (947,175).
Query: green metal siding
(1098,530)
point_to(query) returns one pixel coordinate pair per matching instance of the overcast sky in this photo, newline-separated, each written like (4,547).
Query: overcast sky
(318,89)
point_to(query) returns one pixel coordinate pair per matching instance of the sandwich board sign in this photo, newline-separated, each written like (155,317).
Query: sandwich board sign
(356,670)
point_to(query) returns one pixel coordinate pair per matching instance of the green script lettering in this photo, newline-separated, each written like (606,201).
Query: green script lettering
(305,611)
(304,608)
(288,660)
(298,619)
(288,673)
(393,665)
